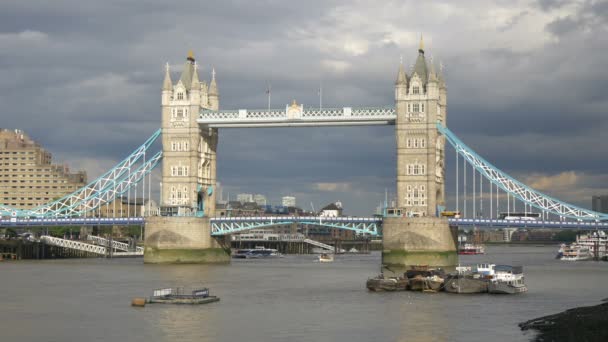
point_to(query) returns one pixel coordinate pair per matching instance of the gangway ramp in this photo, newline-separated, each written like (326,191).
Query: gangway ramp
(117,245)
(86,247)
(323,245)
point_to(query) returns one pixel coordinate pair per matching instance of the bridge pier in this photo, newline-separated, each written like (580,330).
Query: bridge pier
(411,241)
(181,239)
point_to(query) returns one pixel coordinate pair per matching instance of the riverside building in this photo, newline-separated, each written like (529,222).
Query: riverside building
(27,176)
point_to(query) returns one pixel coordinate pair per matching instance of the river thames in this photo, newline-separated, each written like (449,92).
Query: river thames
(289,299)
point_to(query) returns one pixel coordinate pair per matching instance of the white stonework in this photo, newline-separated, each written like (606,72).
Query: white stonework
(189,151)
(420,101)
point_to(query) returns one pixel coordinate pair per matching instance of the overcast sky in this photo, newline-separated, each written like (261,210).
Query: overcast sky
(527,84)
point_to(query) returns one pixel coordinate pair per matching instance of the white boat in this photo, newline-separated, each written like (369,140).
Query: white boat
(575,252)
(325,257)
(471,249)
(257,252)
(507,280)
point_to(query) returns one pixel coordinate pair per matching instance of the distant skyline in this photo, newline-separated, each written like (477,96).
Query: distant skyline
(526,85)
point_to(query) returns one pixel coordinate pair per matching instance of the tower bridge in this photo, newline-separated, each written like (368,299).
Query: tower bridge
(186,228)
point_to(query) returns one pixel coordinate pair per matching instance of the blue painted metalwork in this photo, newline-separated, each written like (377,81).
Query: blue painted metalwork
(75,221)
(230,225)
(528,224)
(102,190)
(516,188)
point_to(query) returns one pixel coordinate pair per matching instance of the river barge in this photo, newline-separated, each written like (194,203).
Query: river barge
(177,295)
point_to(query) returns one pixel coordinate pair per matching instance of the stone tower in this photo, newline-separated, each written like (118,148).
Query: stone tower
(420,101)
(189,151)
(419,236)
(182,234)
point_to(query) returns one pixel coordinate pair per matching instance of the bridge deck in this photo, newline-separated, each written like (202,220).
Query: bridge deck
(298,116)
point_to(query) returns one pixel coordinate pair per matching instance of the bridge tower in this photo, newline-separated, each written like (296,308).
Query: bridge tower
(182,232)
(419,235)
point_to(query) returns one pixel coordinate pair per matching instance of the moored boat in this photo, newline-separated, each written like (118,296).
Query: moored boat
(466,283)
(258,252)
(471,249)
(587,246)
(575,252)
(382,283)
(507,280)
(180,296)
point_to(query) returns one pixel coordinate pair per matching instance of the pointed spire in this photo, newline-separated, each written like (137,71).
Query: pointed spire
(196,84)
(167,84)
(432,73)
(213,84)
(401,77)
(421,46)
(186,76)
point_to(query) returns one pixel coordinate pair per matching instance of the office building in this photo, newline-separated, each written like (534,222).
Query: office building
(244,198)
(600,203)
(260,200)
(289,201)
(27,177)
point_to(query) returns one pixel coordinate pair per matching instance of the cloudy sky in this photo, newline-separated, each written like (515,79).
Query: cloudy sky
(526,80)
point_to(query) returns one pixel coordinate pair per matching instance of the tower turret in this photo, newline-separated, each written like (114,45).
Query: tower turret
(167,87)
(195,89)
(214,99)
(204,95)
(432,86)
(401,84)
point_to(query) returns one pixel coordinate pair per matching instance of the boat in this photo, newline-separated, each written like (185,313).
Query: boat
(470,279)
(596,242)
(177,296)
(326,257)
(466,283)
(471,249)
(382,283)
(507,280)
(423,278)
(257,252)
(575,252)
(429,283)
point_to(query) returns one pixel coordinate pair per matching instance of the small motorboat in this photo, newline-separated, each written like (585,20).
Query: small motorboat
(326,257)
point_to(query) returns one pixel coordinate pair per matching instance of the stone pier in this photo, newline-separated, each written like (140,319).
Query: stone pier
(176,239)
(418,241)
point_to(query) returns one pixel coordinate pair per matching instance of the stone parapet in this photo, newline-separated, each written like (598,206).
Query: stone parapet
(174,239)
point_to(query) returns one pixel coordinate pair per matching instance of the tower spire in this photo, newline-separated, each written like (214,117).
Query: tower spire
(213,84)
(421,46)
(167,84)
(401,77)
(195,82)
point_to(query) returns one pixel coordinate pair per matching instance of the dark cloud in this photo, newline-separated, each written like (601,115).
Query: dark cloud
(525,85)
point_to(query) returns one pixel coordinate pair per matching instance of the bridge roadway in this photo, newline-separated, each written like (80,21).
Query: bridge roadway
(363,225)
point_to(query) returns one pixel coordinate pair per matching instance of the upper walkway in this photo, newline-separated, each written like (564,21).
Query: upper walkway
(298,116)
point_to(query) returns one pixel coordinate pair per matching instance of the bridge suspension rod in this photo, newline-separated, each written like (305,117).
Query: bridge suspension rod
(515,188)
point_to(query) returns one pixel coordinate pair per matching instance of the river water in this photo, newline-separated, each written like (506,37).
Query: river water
(289,299)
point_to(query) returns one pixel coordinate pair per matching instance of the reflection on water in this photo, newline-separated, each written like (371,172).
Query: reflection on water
(293,298)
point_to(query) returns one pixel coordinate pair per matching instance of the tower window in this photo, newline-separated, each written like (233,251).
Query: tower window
(415,90)
(416,107)
(180,96)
